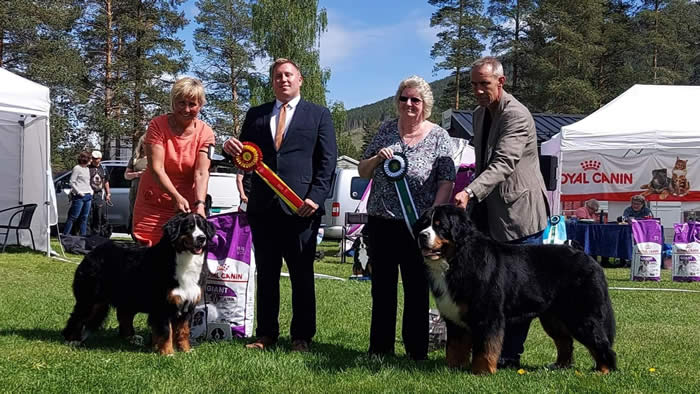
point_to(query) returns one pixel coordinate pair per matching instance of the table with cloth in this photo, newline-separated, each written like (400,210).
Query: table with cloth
(606,240)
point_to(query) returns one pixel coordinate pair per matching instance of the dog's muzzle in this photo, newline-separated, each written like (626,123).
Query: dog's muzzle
(427,244)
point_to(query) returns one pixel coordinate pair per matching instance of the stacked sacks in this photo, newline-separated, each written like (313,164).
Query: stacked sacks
(686,252)
(646,261)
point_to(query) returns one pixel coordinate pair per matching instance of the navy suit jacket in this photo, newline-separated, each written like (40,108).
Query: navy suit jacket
(306,160)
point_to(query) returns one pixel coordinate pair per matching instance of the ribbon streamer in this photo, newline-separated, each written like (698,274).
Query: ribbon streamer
(396,169)
(251,159)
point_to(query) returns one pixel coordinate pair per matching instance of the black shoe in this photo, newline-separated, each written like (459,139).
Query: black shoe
(505,363)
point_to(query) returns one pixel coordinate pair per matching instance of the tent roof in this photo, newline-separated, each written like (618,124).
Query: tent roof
(22,96)
(645,116)
(546,125)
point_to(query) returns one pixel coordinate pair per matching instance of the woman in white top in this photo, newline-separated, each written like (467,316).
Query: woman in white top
(80,195)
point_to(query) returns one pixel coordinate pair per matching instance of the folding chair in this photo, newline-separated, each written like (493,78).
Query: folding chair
(352,221)
(24,213)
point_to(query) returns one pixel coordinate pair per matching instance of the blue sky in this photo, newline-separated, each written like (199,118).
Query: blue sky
(370,46)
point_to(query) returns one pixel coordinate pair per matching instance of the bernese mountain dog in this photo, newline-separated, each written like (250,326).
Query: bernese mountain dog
(479,284)
(162,281)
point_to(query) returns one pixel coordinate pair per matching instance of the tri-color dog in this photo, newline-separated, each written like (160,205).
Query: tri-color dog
(162,281)
(480,284)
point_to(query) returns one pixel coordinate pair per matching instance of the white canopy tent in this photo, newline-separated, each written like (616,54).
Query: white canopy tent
(649,132)
(25,157)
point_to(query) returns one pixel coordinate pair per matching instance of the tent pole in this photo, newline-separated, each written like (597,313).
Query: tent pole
(47,198)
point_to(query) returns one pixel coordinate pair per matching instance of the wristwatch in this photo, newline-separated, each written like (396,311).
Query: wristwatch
(198,202)
(469,192)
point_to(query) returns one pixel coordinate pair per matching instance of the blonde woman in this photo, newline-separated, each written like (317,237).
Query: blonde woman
(178,167)
(431,175)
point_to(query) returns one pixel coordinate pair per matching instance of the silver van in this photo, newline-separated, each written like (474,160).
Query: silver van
(346,192)
(222,194)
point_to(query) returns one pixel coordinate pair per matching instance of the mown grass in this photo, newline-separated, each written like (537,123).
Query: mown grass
(658,346)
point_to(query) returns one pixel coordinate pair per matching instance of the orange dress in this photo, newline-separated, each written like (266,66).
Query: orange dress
(153,206)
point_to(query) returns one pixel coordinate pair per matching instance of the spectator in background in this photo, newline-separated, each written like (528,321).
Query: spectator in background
(243,183)
(589,210)
(431,177)
(637,209)
(178,165)
(80,195)
(99,180)
(134,170)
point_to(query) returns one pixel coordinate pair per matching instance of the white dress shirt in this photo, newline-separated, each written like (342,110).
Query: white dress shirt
(291,106)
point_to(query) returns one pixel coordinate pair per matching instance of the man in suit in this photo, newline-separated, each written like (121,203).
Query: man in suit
(508,187)
(297,141)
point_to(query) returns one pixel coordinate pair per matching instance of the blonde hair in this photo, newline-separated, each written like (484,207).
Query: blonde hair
(423,88)
(279,62)
(187,87)
(639,198)
(139,146)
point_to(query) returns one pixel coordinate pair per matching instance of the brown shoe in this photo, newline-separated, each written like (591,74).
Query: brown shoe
(300,345)
(261,343)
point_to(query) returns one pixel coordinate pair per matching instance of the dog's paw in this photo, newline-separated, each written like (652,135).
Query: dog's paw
(73,343)
(136,340)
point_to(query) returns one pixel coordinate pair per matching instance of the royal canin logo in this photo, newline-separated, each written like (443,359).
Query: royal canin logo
(591,174)
(590,165)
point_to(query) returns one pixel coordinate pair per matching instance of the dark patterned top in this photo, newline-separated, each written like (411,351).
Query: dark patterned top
(429,161)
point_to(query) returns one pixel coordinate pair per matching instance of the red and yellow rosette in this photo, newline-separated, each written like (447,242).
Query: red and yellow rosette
(251,160)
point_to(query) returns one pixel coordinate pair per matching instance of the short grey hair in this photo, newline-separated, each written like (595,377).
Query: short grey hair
(423,88)
(593,204)
(493,63)
(186,88)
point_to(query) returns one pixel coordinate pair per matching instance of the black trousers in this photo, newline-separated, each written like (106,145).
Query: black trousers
(277,235)
(391,246)
(98,215)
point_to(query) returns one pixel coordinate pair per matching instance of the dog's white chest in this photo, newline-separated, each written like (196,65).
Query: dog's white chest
(187,271)
(446,305)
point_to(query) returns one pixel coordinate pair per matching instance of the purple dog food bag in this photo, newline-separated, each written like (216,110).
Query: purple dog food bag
(686,252)
(646,261)
(227,306)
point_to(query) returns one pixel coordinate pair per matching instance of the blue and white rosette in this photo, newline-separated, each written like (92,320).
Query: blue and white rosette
(396,169)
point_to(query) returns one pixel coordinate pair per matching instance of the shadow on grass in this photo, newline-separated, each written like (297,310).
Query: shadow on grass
(17,249)
(103,339)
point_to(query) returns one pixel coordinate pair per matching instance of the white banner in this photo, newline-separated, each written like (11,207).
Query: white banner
(616,175)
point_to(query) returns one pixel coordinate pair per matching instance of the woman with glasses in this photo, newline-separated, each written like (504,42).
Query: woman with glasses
(177,173)
(429,176)
(80,195)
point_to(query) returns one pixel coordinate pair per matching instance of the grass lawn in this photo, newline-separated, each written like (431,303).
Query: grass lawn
(658,346)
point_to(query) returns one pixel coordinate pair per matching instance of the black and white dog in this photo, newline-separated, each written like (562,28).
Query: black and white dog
(480,284)
(162,281)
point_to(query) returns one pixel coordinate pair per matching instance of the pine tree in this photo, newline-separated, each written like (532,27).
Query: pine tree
(37,42)
(460,40)
(291,29)
(565,39)
(509,27)
(342,134)
(224,41)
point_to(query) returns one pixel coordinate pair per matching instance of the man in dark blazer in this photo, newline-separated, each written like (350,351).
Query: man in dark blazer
(297,141)
(508,186)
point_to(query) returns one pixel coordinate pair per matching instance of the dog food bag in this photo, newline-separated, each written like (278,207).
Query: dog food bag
(686,252)
(228,301)
(646,261)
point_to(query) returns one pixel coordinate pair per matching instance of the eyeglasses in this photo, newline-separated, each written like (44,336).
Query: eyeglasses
(414,100)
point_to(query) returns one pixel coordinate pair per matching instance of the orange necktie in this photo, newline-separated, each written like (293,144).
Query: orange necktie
(279,134)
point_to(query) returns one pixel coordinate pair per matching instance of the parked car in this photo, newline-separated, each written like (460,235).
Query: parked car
(346,192)
(222,196)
